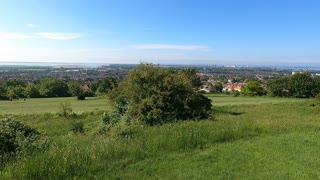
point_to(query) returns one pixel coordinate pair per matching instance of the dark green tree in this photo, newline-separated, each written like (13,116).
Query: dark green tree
(14,82)
(279,87)
(302,85)
(104,86)
(253,88)
(50,87)
(218,87)
(74,88)
(154,95)
(32,91)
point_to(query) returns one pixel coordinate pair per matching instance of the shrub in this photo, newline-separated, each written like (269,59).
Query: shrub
(155,95)
(81,96)
(65,109)
(106,118)
(17,138)
(78,127)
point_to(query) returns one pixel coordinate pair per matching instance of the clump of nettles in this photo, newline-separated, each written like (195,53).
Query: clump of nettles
(17,138)
(78,128)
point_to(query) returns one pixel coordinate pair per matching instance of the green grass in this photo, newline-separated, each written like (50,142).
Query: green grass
(49,105)
(223,100)
(256,138)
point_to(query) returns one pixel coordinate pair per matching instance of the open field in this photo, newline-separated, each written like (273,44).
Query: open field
(43,105)
(223,100)
(273,138)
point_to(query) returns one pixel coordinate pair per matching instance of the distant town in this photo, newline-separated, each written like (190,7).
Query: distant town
(215,78)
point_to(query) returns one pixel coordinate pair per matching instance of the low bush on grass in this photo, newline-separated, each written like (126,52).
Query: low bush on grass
(17,138)
(78,127)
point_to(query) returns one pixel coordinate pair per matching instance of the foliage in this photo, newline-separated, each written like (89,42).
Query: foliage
(302,85)
(218,87)
(279,87)
(104,86)
(74,88)
(50,87)
(32,91)
(253,88)
(81,96)
(154,95)
(14,82)
(78,127)
(17,138)
(106,119)
(65,109)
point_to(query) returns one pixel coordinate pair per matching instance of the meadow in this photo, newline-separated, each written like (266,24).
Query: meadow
(247,138)
(50,105)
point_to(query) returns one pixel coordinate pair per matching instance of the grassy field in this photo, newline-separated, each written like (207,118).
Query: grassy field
(249,138)
(224,100)
(46,105)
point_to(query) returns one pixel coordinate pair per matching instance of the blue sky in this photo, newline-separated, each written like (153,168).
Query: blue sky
(161,31)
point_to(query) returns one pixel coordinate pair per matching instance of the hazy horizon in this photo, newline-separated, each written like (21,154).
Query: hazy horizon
(161,31)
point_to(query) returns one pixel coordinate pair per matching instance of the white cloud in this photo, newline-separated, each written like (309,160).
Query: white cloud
(59,36)
(4,36)
(30,25)
(169,47)
(44,35)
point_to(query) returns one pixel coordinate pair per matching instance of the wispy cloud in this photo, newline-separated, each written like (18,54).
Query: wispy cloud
(59,36)
(30,25)
(4,36)
(169,47)
(44,35)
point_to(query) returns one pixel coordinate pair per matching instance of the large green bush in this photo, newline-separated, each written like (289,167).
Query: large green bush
(154,95)
(17,138)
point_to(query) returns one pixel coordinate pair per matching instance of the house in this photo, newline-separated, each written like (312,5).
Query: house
(207,89)
(84,87)
(233,87)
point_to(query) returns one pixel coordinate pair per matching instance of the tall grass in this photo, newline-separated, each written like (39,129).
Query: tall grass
(92,155)
(242,141)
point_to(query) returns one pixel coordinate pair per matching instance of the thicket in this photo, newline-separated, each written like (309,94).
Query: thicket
(300,85)
(52,87)
(253,88)
(155,95)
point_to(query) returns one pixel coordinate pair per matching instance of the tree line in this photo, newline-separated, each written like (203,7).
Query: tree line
(52,87)
(300,85)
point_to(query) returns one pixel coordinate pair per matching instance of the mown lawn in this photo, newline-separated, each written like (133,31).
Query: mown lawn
(264,138)
(51,105)
(223,100)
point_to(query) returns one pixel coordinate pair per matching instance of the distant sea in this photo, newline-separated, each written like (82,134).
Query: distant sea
(95,65)
(54,64)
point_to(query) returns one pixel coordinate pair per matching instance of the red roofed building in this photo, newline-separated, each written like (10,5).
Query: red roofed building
(84,87)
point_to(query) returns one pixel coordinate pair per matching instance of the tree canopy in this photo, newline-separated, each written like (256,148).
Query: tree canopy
(253,88)
(154,95)
(300,85)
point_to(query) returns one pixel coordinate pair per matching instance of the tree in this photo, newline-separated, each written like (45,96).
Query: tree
(302,85)
(50,87)
(32,91)
(2,92)
(104,86)
(279,87)
(74,88)
(253,88)
(154,95)
(218,87)
(14,82)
